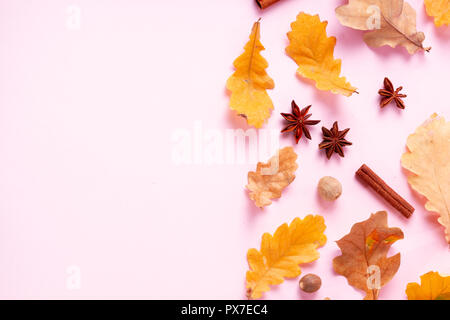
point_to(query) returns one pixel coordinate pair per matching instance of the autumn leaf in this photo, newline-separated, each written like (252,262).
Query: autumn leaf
(391,22)
(272,177)
(282,253)
(440,10)
(312,50)
(364,260)
(248,84)
(427,158)
(432,287)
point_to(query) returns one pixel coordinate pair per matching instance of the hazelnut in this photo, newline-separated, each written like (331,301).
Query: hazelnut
(310,283)
(329,188)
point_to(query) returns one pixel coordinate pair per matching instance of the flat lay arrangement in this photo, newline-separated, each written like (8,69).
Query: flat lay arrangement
(237,157)
(426,159)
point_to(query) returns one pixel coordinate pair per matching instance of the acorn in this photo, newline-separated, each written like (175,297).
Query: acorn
(310,283)
(329,188)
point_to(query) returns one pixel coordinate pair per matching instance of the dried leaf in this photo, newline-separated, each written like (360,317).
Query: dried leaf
(313,51)
(392,23)
(272,177)
(282,253)
(249,82)
(440,10)
(427,159)
(364,260)
(432,287)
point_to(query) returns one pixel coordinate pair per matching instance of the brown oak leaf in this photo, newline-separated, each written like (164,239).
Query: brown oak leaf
(364,260)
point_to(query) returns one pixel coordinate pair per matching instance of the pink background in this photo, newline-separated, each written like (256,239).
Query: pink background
(86,171)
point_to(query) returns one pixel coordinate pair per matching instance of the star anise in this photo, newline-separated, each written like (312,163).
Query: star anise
(334,140)
(389,95)
(298,121)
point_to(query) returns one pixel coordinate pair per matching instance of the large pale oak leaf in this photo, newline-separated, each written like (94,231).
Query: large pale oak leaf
(428,159)
(391,22)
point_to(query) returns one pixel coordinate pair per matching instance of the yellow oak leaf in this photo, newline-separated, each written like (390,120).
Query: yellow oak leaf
(391,22)
(364,260)
(427,158)
(248,84)
(272,177)
(313,51)
(282,253)
(432,287)
(440,10)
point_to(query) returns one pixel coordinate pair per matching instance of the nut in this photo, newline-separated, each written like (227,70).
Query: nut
(329,188)
(310,283)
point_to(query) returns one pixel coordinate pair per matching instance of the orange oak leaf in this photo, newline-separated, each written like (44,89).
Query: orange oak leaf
(364,260)
(313,51)
(391,22)
(282,253)
(248,84)
(440,10)
(272,177)
(427,158)
(432,287)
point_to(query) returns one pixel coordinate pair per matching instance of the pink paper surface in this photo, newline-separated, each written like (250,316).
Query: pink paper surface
(93,204)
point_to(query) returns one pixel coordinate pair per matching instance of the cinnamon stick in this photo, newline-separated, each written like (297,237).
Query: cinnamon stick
(265,3)
(386,192)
